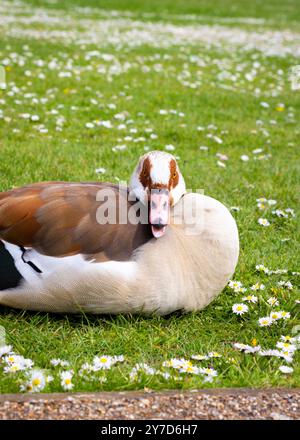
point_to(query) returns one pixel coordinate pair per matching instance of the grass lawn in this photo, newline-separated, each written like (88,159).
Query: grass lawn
(211,82)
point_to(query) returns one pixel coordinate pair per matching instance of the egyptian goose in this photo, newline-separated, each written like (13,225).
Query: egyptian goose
(58,255)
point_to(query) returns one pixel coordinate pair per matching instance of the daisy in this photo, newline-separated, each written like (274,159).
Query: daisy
(290,211)
(189,368)
(119,358)
(275,316)
(266,321)
(285,315)
(240,309)
(287,338)
(13,368)
(236,286)
(273,301)
(102,362)
(208,372)
(36,382)
(250,298)
(59,362)
(214,354)
(169,147)
(286,284)
(287,356)
(245,157)
(262,268)
(246,348)
(100,170)
(279,213)
(257,286)
(199,357)
(275,353)
(16,363)
(164,374)
(286,346)
(263,222)
(285,369)
(261,206)
(5,350)
(66,380)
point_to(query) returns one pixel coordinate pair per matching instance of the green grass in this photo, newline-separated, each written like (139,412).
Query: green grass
(73,154)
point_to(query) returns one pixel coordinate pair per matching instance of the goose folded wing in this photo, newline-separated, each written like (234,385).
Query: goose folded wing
(60,219)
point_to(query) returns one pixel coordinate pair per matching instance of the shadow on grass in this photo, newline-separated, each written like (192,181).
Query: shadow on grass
(90,320)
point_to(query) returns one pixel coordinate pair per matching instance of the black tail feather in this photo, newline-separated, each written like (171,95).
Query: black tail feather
(9,275)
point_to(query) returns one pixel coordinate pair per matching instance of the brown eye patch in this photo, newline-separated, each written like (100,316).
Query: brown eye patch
(174,176)
(145,178)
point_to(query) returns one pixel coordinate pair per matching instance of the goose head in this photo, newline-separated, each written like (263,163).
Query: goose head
(158,182)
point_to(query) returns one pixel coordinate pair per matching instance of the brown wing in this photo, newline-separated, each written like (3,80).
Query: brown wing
(60,219)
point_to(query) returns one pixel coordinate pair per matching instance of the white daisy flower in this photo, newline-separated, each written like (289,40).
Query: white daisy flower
(208,372)
(102,362)
(279,213)
(245,157)
(272,301)
(290,211)
(262,268)
(275,353)
(240,309)
(287,356)
(250,298)
(169,147)
(199,357)
(261,206)
(288,338)
(66,380)
(285,369)
(275,316)
(16,363)
(36,382)
(236,286)
(266,321)
(214,354)
(189,368)
(246,348)
(5,350)
(258,286)
(285,315)
(285,284)
(59,363)
(89,125)
(263,222)
(286,346)
(100,170)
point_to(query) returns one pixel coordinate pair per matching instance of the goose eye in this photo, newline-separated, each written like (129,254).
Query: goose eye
(174,175)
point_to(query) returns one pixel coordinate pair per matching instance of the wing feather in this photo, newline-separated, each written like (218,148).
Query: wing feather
(59,219)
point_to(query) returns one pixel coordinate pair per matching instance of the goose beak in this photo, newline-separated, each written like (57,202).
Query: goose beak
(159,211)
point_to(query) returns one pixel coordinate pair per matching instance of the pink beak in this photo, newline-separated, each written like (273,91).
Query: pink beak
(159,211)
